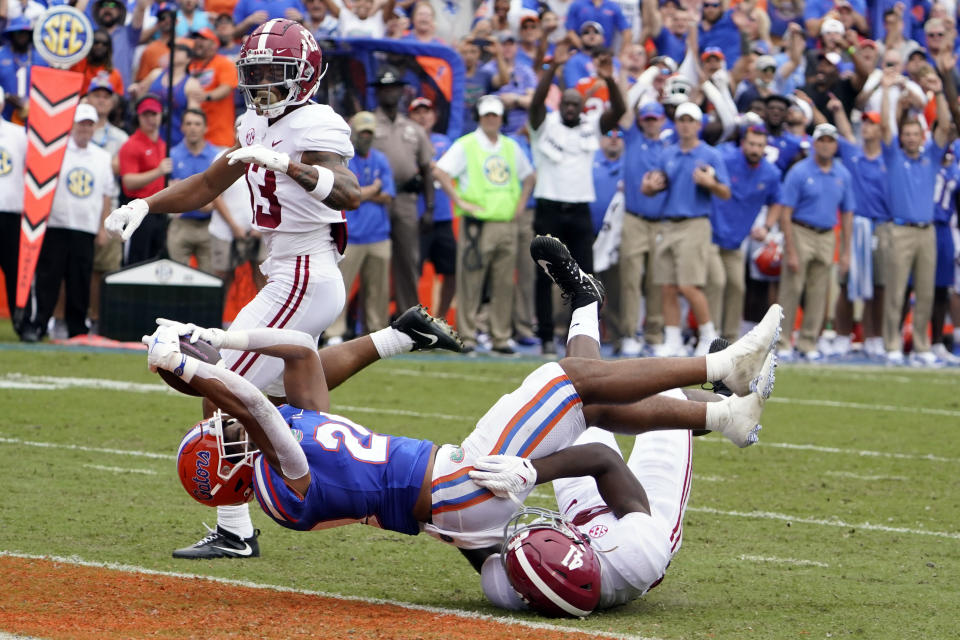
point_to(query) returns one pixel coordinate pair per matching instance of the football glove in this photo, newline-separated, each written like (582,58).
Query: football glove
(216,337)
(163,349)
(260,155)
(504,475)
(125,220)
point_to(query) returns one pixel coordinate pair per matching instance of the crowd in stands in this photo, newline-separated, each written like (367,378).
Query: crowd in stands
(705,158)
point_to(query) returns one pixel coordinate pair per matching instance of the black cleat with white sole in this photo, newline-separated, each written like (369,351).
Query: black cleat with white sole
(427,332)
(576,286)
(220,543)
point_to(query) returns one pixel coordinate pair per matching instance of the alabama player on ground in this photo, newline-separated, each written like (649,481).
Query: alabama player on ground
(294,154)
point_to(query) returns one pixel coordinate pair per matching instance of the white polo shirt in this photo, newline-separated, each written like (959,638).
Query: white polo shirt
(13,151)
(563,157)
(85,178)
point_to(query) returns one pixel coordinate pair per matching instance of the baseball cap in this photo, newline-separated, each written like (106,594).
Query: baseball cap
(832,25)
(506,36)
(149,102)
(363,121)
(416,103)
(776,97)
(832,57)
(207,33)
(20,23)
(650,110)
(825,130)
(765,62)
(688,109)
(489,104)
(760,48)
(528,15)
(100,81)
(592,23)
(387,76)
(871,116)
(666,61)
(85,112)
(165,7)
(712,51)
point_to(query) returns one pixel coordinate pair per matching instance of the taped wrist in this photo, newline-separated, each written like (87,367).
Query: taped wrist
(293,461)
(325,179)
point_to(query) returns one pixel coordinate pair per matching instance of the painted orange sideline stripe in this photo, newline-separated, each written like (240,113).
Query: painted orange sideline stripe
(58,600)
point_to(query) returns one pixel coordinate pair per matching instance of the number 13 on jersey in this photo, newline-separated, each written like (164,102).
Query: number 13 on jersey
(263,192)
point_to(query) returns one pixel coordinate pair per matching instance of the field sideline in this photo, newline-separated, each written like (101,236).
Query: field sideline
(841,522)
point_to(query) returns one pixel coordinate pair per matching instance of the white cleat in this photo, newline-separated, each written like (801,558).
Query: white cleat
(741,422)
(750,351)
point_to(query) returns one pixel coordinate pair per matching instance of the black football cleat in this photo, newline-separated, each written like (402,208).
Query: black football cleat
(576,286)
(427,332)
(220,543)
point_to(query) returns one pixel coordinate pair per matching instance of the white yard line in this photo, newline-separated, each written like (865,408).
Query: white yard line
(775,560)
(859,476)
(832,522)
(99,467)
(125,568)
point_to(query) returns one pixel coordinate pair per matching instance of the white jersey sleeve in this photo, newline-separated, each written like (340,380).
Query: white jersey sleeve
(320,128)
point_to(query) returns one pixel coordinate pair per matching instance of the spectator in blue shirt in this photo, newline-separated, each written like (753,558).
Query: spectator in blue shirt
(641,226)
(912,172)
(717,29)
(692,173)
(783,148)
(870,248)
(813,191)
(944,208)
(368,252)
(110,15)
(17,56)
(189,234)
(667,28)
(514,82)
(477,80)
(607,175)
(437,243)
(580,64)
(754,184)
(605,13)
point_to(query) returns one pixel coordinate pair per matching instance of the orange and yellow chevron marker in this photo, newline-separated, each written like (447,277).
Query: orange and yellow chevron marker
(54,94)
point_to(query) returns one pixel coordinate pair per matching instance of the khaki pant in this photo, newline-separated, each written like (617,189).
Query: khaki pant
(405,247)
(523,305)
(638,242)
(190,237)
(682,252)
(725,290)
(372,263)
(912,250)
(815,254)
(487,253)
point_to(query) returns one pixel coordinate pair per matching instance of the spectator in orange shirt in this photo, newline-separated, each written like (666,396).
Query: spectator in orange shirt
(156,54)
(99,62)
(218,78)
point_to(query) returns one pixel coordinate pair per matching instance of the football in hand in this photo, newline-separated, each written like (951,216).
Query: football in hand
(202,351)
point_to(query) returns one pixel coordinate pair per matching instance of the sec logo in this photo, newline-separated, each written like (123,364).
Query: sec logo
(496,170)
(598,531)
(80,182)
(6,162)
(63,36)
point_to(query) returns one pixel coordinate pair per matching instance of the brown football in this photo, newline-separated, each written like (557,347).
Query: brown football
(202,351)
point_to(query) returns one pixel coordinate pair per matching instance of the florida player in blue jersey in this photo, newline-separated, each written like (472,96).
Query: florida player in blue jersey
(311,469)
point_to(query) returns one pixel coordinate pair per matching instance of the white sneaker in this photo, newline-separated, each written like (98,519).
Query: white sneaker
(842,346)
(750,351)
(825,343)
(703,345)
(895,358)
(813,355)
(630,347)
(786,355)
(940,350)
(925,359)
(666,350)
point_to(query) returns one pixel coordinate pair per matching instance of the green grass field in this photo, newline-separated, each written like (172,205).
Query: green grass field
(842,522)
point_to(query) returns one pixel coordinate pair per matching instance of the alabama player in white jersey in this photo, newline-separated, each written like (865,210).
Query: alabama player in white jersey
(294,154)
(616,532)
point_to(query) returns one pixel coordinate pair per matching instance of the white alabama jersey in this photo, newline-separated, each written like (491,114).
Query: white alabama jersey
(634,551)
(292,222)
(13,150)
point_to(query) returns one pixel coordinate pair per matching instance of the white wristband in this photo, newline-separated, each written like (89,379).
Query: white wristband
(324,186)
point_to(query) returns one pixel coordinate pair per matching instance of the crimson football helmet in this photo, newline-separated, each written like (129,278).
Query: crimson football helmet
(769,257)
(279,54)
(551,564)
(213,472)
